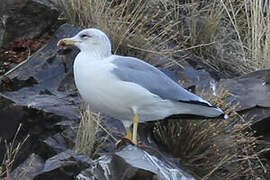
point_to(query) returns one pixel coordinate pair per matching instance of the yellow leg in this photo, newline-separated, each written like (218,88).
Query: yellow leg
(136,120)
(128,134)
(131,136)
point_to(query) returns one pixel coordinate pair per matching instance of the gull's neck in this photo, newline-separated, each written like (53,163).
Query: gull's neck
(97,53)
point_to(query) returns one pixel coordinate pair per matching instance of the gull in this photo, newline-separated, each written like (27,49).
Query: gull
(127,88)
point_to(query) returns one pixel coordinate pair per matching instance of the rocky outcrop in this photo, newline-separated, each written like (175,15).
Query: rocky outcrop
(40,93)
(26,18)
(45,80)
(251,93)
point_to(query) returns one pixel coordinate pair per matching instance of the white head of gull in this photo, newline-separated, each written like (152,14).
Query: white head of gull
(128,88)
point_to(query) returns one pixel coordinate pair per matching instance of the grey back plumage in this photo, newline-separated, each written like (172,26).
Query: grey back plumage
(135,70)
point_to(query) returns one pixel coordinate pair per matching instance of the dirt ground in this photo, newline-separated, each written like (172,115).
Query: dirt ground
(19,50)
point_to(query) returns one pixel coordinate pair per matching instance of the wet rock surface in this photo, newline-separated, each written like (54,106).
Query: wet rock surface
(132,162)
(35,84)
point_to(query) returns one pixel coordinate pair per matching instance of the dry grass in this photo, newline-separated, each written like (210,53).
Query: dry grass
(215,149)
(12,149)
(87,131)
(258,31)
(230,36)
(251,22)
(208,32)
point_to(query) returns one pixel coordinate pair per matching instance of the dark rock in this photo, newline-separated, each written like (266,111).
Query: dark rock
(64,166)
(252,93)
(34,123)
(30,168)
(10,116)
(57,143)
(249,90)
(70,135)
(59,161)
(26,18)
(30,95)
(191,73)
(36,83)
(198,64)
(190,78)
(132,163)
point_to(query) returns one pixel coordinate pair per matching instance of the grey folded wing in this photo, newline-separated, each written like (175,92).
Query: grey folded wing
(137,71)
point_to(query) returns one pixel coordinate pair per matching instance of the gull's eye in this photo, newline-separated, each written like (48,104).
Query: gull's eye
(83,36)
